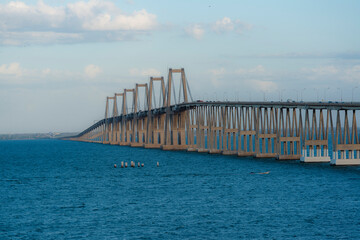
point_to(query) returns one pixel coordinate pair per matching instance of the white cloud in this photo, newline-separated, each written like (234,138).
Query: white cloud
(149,72)
(227,25)
(216,76)
(15,74)
(11,69)
(92,70)
(325,70)
(218,71)
(265,86)
(19,15)
(352,74)
(324,73)
(25,38)
(195,31)
(223,25)
(46,71)
(256,70)
(258,78)
(140,20)
(80,21)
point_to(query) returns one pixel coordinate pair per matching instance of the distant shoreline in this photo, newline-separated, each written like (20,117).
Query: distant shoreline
(35,136)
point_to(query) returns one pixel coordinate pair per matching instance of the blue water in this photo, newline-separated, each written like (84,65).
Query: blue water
(53,189)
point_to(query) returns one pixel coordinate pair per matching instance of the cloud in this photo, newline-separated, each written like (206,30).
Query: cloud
(225,25)
(149,72)
(323,73)
(352,74)
(218,71)
(306,55)
(195,31)
(258,70)
(324,70)
(92,70)
(258,77)
(19,15)
(46,71)
(216,76)
(140,20)
(331,74)
(25,38)
(79,21)
(265,86)
(13,74)
(11,69)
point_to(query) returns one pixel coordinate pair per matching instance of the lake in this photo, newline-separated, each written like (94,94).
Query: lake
(54,189)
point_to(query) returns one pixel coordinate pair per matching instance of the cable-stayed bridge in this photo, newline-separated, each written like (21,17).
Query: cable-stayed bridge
(162,114)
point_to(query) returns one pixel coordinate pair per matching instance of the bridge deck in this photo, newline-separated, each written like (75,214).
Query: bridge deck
(184,106)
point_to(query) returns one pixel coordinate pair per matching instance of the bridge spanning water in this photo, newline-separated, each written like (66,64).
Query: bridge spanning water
(309,131)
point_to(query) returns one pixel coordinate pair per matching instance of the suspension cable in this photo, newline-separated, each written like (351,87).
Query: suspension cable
(188,88)
(172,79)
(153,95)
(166,90)
(179,91)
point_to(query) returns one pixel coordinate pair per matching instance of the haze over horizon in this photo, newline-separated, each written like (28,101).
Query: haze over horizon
(60,59)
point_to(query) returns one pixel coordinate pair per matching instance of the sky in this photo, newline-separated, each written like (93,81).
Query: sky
(59,60)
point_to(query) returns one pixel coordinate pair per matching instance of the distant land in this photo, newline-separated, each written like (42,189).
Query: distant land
(33,136)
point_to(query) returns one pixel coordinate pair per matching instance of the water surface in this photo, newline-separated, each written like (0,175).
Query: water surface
(53,189)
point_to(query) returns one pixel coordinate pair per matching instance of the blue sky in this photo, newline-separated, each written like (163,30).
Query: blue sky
(60,59)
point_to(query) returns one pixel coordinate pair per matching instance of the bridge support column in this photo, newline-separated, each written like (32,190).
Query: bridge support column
(115,130)
(156,132)
(346,154)
(140,134)
(246,138)
(230,131)
(315,151)
(192,130)
(129,132)
(201,130)
(124,133)
(215,131)
(288,135)
(265,137)
(107,135)
(246,132)
(315,143)
(177,132)
(346,141)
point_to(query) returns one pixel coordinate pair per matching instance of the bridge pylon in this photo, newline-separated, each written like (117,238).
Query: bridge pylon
(139,131)
(155,136)
(127,122)
(175,123)
(107,131)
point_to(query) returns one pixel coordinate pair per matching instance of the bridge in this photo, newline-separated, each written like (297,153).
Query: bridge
(309,131)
